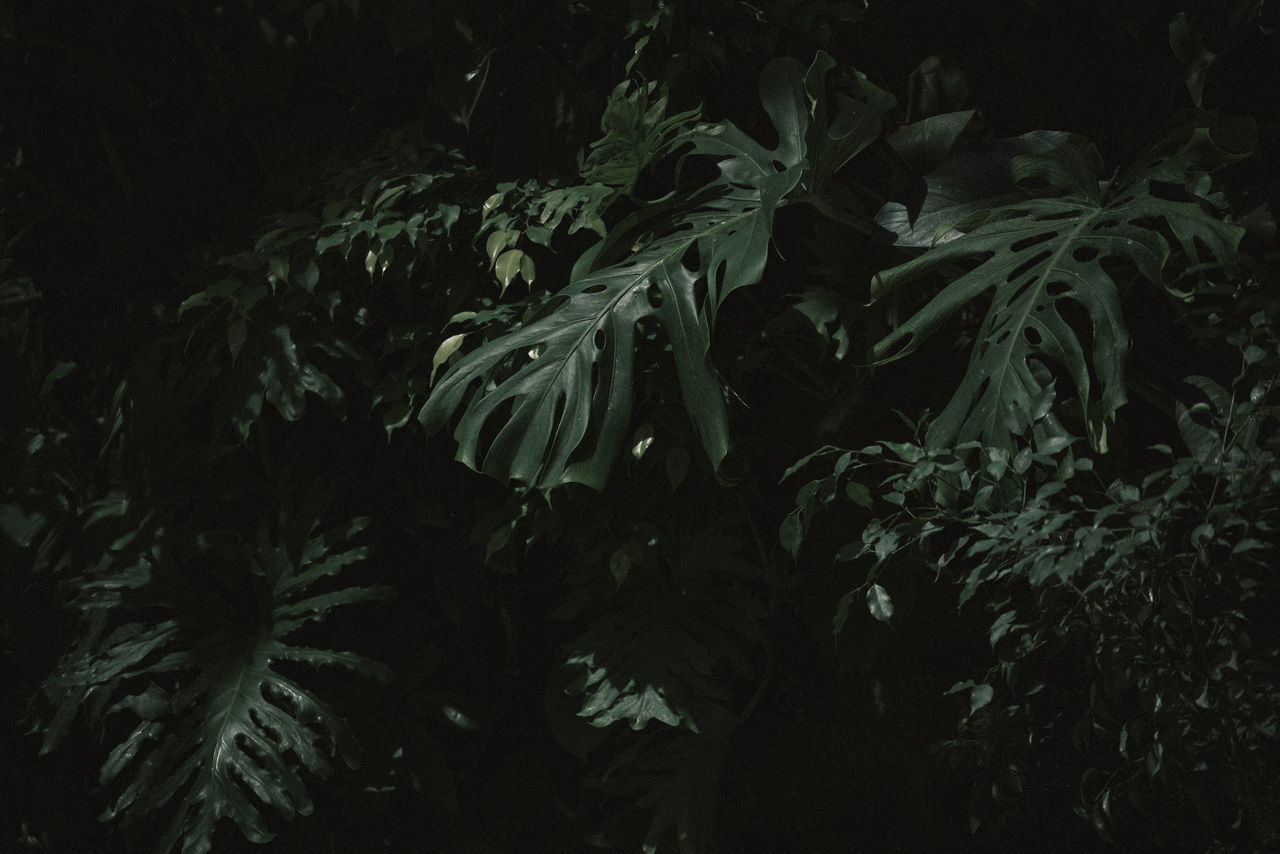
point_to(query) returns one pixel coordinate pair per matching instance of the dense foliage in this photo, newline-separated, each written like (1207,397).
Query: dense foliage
(681,425)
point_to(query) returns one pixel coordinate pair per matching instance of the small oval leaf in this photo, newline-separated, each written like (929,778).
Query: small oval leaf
(791,532)
(980,696)
(447,348)
(508,266)
(236,334)
(879,603)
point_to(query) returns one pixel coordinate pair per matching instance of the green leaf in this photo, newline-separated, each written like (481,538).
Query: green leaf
(666,650)
(278,367)
(879,604)
(858,493)
(924,145)
(552,398)
(974,177)
(980,697)
(444,353)
(831,143)
(791,533)
(232,734)
(237,331)
(507,267)
(1033,254)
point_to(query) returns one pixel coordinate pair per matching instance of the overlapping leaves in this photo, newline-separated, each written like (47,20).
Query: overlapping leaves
(554,396)
(558,390)
(669,650)
(1059,246)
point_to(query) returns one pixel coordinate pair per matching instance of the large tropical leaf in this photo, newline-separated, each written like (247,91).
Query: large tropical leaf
(668,648)
(217,731)
(1036,255)
(666,788)
(554,396)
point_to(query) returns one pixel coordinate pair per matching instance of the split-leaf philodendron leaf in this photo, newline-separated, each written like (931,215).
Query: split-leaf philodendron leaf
(217,731)
(550,401)
(1035,252)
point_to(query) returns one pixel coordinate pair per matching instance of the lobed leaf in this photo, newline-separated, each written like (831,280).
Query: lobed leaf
(549,402)
(1034,257)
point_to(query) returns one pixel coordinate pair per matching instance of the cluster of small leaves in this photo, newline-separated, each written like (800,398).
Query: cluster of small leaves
(1158,589)
(298,308)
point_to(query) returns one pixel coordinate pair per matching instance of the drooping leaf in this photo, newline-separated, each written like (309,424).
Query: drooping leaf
(879,603)
(550,401)
(1035,253)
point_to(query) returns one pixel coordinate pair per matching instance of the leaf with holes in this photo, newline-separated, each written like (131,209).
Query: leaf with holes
(549,402)
(1047,263)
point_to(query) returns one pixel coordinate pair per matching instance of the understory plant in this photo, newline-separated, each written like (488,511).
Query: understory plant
(433,506)
(1132,647)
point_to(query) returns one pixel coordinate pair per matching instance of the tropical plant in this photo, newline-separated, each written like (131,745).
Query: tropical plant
(1128,618)
(215,721)
(532,315)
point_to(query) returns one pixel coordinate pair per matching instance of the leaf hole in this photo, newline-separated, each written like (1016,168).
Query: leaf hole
(1033,336)
(599,339)
(1055,217)
(594,289)
(1055,289)
(1084,254)
(692,258)
(1027,266)
(654,294)
(700,291)
(1034,240)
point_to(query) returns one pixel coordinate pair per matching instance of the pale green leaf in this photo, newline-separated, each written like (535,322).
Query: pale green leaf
(444,353)
(507,267)
(879,604)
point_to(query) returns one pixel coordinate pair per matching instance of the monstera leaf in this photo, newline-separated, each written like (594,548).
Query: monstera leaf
(667,789)
(550,401)
(215,727)
(669,648)
(1036,256)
